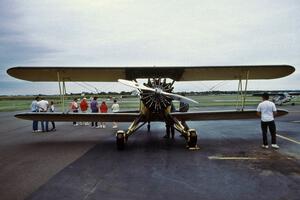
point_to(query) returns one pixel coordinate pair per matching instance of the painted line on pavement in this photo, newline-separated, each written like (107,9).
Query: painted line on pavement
(289,139)
(233,158)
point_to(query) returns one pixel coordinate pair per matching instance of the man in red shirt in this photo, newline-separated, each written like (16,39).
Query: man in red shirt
(103,109)
(83,107)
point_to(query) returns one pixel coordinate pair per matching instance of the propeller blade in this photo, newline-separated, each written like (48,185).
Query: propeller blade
(135,85)
(180,98)
(157,90)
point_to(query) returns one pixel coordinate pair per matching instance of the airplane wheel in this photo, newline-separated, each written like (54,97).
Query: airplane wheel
(192,142)
(120,140)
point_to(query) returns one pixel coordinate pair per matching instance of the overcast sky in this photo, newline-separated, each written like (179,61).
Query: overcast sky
(150,32)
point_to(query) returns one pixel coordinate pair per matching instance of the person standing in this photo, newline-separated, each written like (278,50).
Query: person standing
(267,110)
(170,124)
(74,108)
(43,107)
(83,107)
(35,108)
(115,108)
(95,109)
(52,109)
(103,109)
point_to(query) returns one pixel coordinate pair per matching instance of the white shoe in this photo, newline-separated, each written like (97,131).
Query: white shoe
(115,126)
(275,146)
(75,124)
(98,126)
(103,126)
(264,146)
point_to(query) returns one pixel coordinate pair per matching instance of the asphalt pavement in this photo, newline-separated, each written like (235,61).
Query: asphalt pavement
(83,163)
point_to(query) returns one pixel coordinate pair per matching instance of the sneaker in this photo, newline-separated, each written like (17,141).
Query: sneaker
(275,146)
(264,146)
(75,124)
(98,126)
(103,126)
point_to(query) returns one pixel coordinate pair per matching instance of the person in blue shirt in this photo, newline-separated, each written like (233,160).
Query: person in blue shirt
(95,109)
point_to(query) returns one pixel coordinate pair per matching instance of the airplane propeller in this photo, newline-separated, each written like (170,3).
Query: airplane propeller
(157,90)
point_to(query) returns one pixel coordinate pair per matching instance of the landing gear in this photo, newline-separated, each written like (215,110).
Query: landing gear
(192,140)
(121,140)
(190,135)
(122,136)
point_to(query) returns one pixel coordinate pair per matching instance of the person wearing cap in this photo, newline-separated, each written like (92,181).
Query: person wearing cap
(103,109)
(266,110)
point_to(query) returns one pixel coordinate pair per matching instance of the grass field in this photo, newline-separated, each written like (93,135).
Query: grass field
(22,103)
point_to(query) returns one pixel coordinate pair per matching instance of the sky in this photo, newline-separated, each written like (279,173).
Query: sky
(148,33)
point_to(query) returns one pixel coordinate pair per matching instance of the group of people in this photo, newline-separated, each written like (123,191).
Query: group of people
(39,104)
(266,110)
(83,106)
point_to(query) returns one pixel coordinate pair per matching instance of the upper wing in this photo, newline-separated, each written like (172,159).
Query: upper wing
(220,115)
(177,73)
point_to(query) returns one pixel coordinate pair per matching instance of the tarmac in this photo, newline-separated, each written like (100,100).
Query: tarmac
(83,163)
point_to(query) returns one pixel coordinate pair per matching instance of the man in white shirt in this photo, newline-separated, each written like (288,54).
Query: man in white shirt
(267,110)
(43,107)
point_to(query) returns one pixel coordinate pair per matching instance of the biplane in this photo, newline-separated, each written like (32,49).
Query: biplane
(156,94)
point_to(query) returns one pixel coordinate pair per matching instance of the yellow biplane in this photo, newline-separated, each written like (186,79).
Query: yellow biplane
(155,94)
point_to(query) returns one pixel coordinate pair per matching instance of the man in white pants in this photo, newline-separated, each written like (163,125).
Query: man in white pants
(267,110)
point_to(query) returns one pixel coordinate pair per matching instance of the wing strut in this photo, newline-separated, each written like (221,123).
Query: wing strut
(241,93)
(62,91)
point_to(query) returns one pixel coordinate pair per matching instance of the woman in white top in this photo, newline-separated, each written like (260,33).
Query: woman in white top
(115,108)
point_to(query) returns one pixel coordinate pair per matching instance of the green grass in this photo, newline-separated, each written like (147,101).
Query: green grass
(22,103)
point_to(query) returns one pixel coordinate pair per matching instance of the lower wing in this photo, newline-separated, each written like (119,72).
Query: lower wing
(129,117)
(88,117)
(220,115)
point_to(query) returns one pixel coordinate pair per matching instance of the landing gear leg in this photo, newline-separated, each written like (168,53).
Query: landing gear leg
(122,137)
(190,135)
